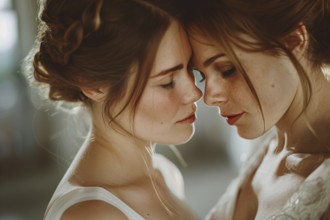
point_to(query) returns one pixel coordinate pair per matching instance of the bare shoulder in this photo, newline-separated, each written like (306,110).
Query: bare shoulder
(93,210)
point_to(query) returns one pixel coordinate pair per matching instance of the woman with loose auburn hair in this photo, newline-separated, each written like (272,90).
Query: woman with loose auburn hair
(266,66)
(128,63)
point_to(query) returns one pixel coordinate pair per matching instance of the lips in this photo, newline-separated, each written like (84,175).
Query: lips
(232,119)
(190,119)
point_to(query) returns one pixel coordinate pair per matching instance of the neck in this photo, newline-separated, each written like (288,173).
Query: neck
(309,132)
(114,158)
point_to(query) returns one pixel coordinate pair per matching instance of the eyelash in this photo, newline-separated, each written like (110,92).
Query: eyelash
(169,85)
(225,74)
(229,72)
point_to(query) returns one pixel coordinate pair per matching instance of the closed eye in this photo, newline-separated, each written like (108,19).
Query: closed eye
(229,72)
(169,85)
(226,70)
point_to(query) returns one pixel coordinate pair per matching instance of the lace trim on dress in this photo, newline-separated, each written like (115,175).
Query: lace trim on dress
(310,201)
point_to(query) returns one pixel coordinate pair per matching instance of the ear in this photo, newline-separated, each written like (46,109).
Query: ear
(297,40)
(97,94)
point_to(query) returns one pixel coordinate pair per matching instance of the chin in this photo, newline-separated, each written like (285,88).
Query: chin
(249,133)
(188,135)
(183,136)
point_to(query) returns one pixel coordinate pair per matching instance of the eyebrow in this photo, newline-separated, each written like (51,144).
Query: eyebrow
(212,59)
(166,71)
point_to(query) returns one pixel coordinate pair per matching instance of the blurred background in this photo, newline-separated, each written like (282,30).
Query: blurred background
(37,143)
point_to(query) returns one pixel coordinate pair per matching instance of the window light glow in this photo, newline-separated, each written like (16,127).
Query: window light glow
(8,30)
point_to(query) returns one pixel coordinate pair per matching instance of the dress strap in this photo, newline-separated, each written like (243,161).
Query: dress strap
(81,194)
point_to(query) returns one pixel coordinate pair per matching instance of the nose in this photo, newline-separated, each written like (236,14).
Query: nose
(215,92)
(192,92)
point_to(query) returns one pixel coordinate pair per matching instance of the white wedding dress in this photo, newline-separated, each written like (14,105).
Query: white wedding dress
(67,195)
(309,202)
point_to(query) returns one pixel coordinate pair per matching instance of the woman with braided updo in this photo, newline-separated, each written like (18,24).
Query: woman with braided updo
(128,63)
(266,66)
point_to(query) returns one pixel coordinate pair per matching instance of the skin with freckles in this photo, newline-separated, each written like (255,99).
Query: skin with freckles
(169,96)
(127,64)
(262,89)
(275,81)
(277,85)
(122,163)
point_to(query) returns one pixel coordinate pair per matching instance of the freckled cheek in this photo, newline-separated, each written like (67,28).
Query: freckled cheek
(245,99)
(270,94)
(240,92)
(161,110)
(167,110)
